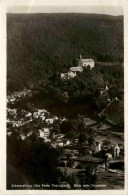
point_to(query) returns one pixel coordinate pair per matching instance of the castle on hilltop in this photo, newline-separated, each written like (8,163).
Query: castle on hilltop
(82,63)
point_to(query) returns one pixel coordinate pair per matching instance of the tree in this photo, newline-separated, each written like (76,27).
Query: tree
(82,138)
(90,175)
(90,140)
(56,128)
(70,164)
(81,126)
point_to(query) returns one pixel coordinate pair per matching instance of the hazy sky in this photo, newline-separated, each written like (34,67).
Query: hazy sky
(110,10)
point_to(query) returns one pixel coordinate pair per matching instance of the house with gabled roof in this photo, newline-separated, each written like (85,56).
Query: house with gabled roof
(114,112)
(89,122)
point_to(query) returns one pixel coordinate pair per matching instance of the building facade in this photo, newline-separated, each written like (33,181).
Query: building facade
(86,62)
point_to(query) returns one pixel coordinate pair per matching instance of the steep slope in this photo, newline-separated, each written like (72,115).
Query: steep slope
(39,44)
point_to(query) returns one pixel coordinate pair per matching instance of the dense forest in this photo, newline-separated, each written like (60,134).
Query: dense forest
(38,45)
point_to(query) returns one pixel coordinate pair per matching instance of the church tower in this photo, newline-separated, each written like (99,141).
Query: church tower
(80,57)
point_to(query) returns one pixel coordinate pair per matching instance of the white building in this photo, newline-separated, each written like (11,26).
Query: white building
(9,133)
(106,88)
(68,142)
(17,124)
(116,151)
(64,76)
(49,120)
(73,71)
(56,118)
(109,156)
(46,132)
(47,140)
(41,111)
(61,144)
(71,75)
(29,114)
(23,137)
(41,133)
(42,118)
(99,145)
(86,62)
(76,69)
(12,100)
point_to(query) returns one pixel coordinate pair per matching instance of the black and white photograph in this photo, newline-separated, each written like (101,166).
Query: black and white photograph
(65,98)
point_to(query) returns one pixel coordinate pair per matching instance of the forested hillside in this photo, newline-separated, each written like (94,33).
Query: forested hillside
(40,44)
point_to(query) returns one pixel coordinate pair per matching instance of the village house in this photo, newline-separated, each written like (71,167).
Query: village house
(99,146)
(41,133)
(49,120)
(109,156)
(86,62)
(40,114)
(13,111)
(42,111)
(46,132)
(17,124)
(29,133)
(73,71)
(116,151)
(9,133)
(56,118)
(29,115)
(8,121)
(61,141)
(68,142)
(23,137)
(47,140)
(89,122)
(106,88)
(60,144)
(42,117)
(12,100)
(114,112)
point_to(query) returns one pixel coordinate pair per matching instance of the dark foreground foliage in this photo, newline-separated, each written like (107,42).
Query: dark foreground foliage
(37,159)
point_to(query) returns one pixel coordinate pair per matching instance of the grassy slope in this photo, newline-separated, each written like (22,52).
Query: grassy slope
(37,43)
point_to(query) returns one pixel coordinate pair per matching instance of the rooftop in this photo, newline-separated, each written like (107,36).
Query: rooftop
(89,121)
(86,60)
(77,68)
(114,112)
